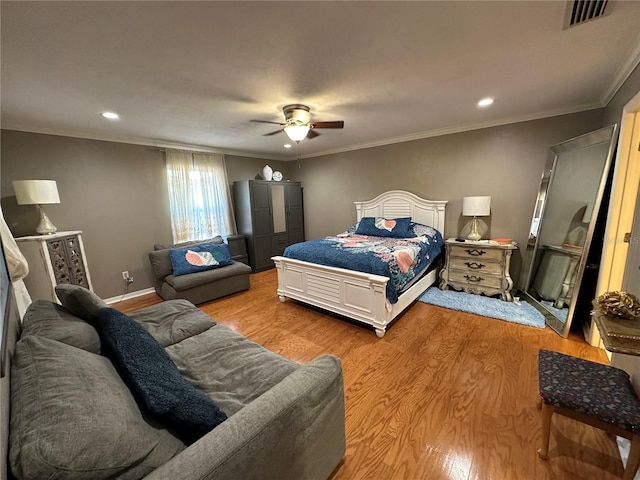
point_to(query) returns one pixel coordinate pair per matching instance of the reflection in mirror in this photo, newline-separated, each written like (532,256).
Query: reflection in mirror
(565,214)
(277,206)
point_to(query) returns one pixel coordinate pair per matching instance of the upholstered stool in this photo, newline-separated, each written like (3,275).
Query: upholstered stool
(595,394)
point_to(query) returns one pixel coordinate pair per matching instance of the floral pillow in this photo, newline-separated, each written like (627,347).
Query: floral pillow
(200,258)
(385,227)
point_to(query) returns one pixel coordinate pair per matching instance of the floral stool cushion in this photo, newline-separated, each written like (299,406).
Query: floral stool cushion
(597,390)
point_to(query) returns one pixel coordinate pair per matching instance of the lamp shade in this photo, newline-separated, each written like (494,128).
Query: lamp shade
(297,132)
(36,192)
(476,206)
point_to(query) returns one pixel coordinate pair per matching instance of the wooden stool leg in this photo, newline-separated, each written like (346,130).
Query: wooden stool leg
(634,459)
(547,413)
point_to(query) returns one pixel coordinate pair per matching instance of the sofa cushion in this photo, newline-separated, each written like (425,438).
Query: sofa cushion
(154,379)
(185,282)
(199,258)
(160,261)
(69,409)
(46,319)
(172,321)
(228,367)
(78,300)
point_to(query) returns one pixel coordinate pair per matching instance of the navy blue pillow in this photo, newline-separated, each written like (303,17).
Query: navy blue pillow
(153,378)
(385,227)
(200,258)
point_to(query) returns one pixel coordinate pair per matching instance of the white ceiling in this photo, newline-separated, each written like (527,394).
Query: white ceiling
(195,73)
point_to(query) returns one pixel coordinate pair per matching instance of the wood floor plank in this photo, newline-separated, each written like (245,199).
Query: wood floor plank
(443,395)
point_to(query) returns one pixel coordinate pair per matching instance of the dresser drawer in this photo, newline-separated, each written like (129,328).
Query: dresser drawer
(477,266)
(475,278)
(477,253)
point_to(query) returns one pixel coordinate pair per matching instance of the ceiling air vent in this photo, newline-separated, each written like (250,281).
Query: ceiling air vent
(580,11)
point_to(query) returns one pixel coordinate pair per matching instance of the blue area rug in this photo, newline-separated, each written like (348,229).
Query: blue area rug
(524,313)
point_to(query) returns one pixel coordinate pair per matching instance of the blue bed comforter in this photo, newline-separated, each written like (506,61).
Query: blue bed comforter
(400,259)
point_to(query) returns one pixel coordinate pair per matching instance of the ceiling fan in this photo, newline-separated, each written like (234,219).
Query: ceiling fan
(297,124)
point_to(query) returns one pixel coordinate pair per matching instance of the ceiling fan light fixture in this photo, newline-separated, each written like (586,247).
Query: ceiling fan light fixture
(297,133)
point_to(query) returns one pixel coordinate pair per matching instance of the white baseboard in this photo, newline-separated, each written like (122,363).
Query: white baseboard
(130,295)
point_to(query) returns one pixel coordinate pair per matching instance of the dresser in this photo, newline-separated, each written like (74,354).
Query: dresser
(270,215)
(54,259)
(478,267)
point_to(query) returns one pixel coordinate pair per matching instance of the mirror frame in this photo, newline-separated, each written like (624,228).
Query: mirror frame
(606,134)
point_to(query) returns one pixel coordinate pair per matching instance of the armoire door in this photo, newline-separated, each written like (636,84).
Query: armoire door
(295,215)
(262,225)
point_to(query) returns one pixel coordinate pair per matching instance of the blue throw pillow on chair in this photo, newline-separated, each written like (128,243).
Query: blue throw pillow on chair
(153,378)
(199,258)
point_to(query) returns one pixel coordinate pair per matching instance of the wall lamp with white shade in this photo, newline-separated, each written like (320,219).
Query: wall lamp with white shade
(38,192)
(476,207)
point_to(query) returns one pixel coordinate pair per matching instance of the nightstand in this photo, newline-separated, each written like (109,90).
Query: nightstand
(478,267)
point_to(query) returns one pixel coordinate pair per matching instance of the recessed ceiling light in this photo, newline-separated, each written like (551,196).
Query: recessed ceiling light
(485,102)
(110,115)
(287,145)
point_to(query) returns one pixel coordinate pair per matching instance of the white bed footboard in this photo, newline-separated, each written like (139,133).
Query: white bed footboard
(356,295)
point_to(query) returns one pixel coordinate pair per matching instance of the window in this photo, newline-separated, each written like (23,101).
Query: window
(199,198)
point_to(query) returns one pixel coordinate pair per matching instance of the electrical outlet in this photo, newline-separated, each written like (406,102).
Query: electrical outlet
(125,275)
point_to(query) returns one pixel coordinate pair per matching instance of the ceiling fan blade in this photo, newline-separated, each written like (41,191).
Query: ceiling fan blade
(266,121)
(273,133)
(312,134)
(336,124)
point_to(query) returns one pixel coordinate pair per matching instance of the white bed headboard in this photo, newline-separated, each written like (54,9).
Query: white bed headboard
(398,203)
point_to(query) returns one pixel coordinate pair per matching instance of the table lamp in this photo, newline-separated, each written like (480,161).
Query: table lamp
(38,192)
(475,207)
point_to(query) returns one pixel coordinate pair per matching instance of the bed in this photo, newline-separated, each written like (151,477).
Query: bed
(357,295)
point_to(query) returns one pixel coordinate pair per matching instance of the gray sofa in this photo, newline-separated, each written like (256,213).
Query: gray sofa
(204,286)
(73,417)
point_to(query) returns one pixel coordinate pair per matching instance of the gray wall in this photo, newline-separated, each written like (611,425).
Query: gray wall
(505,162)
(115,193)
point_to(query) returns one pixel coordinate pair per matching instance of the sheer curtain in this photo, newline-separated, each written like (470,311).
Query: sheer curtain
(199,197)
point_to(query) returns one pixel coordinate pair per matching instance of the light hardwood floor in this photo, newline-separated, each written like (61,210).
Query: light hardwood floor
(444,395)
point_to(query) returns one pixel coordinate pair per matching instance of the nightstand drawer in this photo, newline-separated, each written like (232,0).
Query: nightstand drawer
(475,278)
(477,253)
(477,266)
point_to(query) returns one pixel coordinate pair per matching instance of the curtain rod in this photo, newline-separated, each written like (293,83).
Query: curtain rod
(185,150)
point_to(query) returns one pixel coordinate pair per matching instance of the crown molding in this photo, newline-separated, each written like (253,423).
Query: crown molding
(452,130)
(149,142)
(626,68)
(290,158)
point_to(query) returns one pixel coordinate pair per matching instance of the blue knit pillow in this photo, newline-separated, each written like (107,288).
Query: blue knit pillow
(153,378)
(200,258)
(385,227)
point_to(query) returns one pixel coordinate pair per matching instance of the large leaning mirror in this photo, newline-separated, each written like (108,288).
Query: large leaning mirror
(563,223)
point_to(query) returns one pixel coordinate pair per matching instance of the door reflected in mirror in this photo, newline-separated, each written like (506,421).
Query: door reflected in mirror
(565,214)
